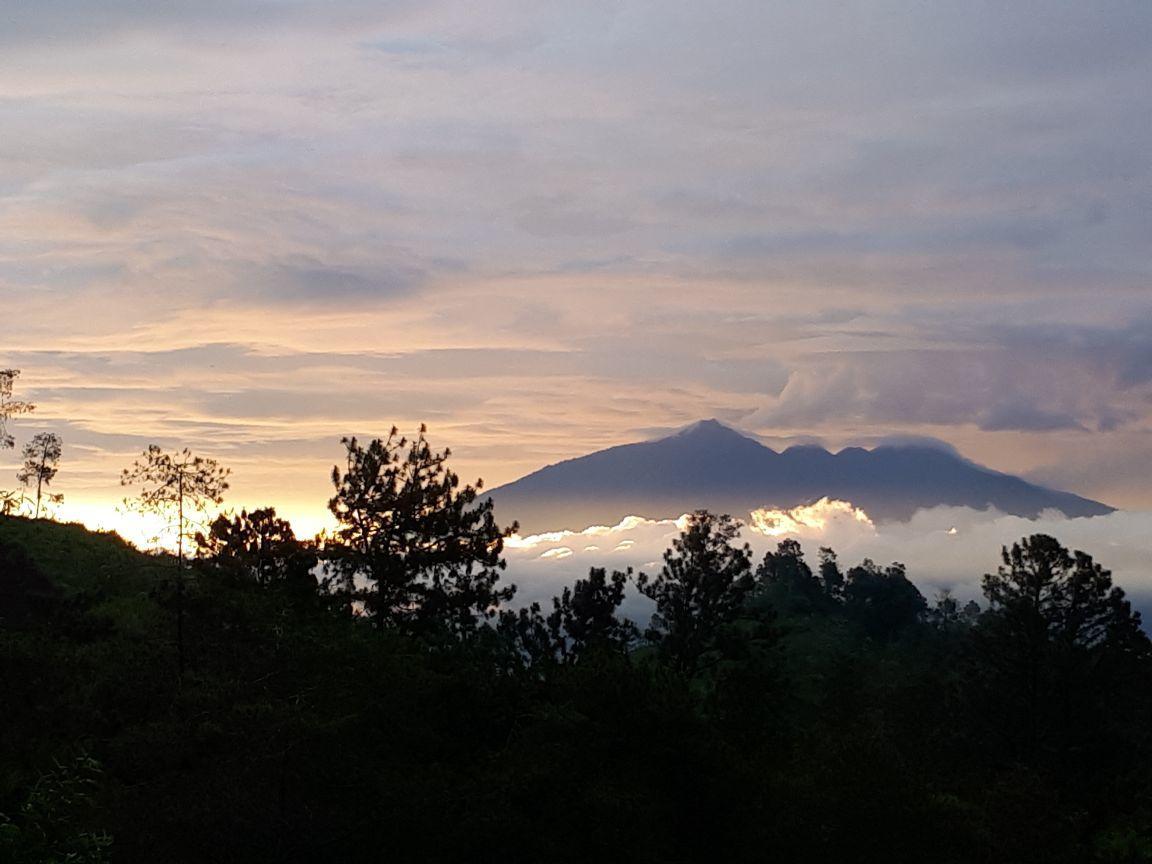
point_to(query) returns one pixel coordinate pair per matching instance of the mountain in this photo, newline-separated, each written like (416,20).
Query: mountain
(710,465)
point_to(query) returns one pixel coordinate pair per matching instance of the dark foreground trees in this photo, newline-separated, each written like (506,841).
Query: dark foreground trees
(261,547)
(797,713)
(1056,652)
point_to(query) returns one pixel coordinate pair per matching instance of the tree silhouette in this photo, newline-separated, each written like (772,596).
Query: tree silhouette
(259,546)
(830,573)
(176,486)
(11,501)
(427,548)
(702,586)
(531,639)
(41,461)
(947,615)
(789,578)
(883,599)
(9,407)
(1056,633)
(1044,593)
(584,615)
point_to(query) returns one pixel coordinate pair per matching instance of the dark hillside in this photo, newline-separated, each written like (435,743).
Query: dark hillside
(825,716)
(76,559)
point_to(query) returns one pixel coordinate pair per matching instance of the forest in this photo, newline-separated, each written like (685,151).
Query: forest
(376,694)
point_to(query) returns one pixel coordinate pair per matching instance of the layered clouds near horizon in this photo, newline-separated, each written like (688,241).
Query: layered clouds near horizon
(252,227)
(944,548)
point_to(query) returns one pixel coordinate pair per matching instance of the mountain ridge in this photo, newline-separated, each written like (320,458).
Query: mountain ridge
(711,465)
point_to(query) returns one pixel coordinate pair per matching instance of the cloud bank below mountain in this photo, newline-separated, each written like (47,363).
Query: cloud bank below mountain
(943,548)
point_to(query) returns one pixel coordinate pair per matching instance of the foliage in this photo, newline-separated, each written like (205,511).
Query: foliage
(49,826)
(701,587)
(427,549)
(260,546)
(883,599)
(12,502)
(1044,593)
(789,583)
(176,485)
(584,615)
(9,407)
(793,717)
(41,461)
(583,622)
(1055,651)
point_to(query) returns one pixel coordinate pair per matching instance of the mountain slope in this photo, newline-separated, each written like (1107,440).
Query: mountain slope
(709,465)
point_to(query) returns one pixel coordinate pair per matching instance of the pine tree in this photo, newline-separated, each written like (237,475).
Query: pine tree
(584,615)
(176,486)
(419,551)
(701,587)
(260,546)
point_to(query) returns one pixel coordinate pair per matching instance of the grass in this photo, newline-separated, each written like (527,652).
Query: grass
(80,561)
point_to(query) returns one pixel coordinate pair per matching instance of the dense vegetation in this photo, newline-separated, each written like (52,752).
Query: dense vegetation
(396,709)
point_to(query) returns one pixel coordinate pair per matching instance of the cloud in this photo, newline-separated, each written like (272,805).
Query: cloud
(57,21)
(1030,377)
(943,548)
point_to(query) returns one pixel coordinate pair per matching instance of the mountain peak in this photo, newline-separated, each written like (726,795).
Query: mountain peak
(709,429)
(711,465)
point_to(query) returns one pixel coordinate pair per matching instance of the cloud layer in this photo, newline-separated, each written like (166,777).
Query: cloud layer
(943,548)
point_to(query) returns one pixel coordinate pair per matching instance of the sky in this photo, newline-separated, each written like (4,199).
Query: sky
(251,227)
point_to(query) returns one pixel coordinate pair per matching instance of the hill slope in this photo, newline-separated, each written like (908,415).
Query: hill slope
(712,466)
(77,559)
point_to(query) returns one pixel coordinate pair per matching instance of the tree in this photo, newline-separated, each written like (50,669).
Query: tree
(1057,646)
(176,485)
(949,615)
(9,407)
(41,458)
(883,599)
(789,579)
(427,549)
(830,574)
(528,636)
(584,615)
(1044,593)
(701,587)
(259,546)
(11,501)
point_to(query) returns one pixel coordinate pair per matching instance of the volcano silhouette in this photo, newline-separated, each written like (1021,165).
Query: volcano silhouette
(712,466)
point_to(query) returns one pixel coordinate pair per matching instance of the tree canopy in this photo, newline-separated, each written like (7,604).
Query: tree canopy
(702,586)
(414,547)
